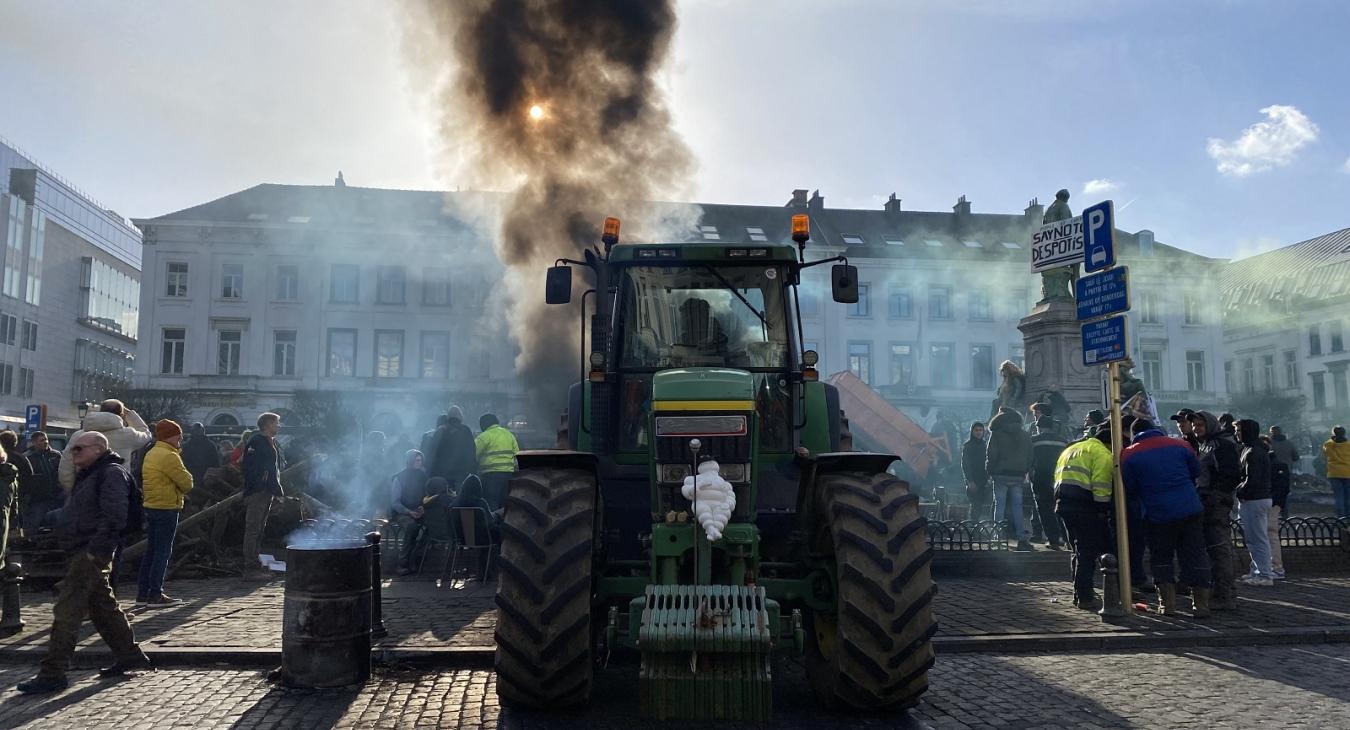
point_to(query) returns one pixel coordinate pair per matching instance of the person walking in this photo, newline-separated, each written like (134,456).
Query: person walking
(1160,473)
(1280,479)
(1083,488)
(1336,451)
(1008,460)
(978,491)
(495,449)
(1220,472)
(407,490)
(46,494)
(199,454)
(452,456)
(261,467)
(1254,502)
(1046,446)
(90,530)
(166,481)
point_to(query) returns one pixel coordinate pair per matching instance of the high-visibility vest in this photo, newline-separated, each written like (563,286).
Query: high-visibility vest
(496,450)
(1086,464)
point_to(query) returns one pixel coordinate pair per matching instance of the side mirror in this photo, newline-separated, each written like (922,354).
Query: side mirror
(844,282)
(558,285)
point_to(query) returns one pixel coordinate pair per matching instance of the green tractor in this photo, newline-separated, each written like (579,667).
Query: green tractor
(695,356)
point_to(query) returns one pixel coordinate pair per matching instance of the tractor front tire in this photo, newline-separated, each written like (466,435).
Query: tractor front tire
(544,647)
(875,650)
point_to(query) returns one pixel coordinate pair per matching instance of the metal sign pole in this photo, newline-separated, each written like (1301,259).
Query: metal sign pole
(1118,492)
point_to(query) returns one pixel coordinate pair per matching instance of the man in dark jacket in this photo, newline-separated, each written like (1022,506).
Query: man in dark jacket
(1282,449)
(977,479)
(452,456)
(46,494)
(9,502)
(1159,473)
(90,530)
(1008,461)
(10,442)
(261,467)
(1046,446)
(1280,479)
(199,454)
(1254,502)
(1183,419)
(1220,470)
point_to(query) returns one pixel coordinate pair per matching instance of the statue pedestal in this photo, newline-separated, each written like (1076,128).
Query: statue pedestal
(1054,357)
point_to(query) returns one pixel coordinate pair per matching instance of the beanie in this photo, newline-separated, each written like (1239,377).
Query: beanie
(166,429)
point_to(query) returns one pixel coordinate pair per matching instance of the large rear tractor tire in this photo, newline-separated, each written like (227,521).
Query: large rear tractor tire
(544,646)
(875,651)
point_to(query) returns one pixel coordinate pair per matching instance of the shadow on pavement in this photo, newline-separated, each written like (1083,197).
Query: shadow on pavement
(1312,670)
(18,708)
(285,707)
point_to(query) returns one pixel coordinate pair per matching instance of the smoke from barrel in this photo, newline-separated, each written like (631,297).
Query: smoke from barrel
(557,101)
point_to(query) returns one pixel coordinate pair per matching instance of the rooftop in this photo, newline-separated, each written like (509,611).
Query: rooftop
(1313,270)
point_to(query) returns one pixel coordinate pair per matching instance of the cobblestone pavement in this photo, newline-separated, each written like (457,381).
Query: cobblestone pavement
(1306,686)
(230,614)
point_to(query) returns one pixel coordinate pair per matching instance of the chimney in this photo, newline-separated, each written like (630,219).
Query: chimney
(338,182)
(1034,212)
(798,199)
(962,207)
(892,205)
(1145,240)
(817,202)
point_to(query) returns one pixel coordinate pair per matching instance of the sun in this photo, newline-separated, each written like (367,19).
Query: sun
(536,112)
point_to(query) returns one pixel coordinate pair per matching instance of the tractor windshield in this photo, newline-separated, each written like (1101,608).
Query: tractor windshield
(704,316)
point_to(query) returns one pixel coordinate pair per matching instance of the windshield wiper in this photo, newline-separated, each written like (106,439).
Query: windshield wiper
(738,294)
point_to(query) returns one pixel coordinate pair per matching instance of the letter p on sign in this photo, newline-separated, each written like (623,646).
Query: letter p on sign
(1099,228)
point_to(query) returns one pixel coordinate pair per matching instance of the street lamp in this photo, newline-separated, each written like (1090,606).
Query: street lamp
(83,410)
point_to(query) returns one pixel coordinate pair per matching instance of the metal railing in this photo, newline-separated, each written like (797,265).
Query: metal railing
(1304,532)
(967,535)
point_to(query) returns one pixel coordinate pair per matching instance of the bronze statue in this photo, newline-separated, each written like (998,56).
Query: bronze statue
(1057,283)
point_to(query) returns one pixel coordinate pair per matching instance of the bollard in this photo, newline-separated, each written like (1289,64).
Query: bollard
(10,579)
(377,629)
(1111,606)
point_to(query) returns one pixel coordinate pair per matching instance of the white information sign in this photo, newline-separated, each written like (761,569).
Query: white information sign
(1057,244)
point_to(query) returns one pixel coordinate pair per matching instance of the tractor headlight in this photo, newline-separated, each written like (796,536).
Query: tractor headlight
(673,473)
(735,472)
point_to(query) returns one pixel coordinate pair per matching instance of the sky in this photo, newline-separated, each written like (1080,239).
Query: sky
(1224,127)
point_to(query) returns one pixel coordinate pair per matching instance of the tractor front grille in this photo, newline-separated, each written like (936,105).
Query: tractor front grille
(722,449)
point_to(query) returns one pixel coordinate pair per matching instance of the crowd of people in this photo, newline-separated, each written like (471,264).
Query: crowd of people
(1181,494)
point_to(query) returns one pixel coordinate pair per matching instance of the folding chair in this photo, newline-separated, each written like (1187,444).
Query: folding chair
(473,528)
(438,531)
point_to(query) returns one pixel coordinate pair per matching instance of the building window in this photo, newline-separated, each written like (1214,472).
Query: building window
(345,288)
(436,287)
(6,379)
(231,281)
(1314,339)
(172,350)
(902,364)
(283,353)
(1191,302)
(1248,376)
(388,353)
(1152,366)
(1319,388)
(1195,370)
(1228,375)
(38,226)
(390,283)
(1268,372)
(25,383)
(176,279)
(979,305)
(862,307)
(436,355)
(9,328)
(1339,387)
(1290,369)
(982,367)
(227,352)
(1018,355)
(110,299)
(942,358)
(1337,341)
(810,304)
(341,352)
(1148,307)
(860,360)
(30,330)
(288,283)
(939,302)
(1019,304)
(899,304)
(14,248)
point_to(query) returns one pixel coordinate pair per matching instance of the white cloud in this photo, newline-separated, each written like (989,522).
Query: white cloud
(1100,186)
(1266,144)
(1346,166)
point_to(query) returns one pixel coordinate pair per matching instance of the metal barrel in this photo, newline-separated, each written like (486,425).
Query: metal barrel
(325,632)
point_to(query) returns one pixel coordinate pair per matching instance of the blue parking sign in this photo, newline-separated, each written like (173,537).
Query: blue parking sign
(1105,341)
(1099,229)
(32,418)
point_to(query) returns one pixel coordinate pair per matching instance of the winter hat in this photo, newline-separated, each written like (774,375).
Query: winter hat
(166,429)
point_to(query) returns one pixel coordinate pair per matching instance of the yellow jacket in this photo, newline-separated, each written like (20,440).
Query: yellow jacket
(1087,464)
(166,479)
(1338,459)
(496,450)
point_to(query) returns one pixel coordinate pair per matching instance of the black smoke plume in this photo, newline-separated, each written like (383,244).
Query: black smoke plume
(557,101)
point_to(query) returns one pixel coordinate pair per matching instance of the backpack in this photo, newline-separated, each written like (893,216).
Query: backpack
(136,501)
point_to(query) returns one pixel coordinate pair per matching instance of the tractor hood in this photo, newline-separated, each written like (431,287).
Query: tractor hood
(703,389)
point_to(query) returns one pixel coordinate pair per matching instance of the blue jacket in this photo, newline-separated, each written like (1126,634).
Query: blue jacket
(1160,473)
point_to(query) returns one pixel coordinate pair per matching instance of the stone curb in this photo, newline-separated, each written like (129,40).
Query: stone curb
(472,657)
(1121,640)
